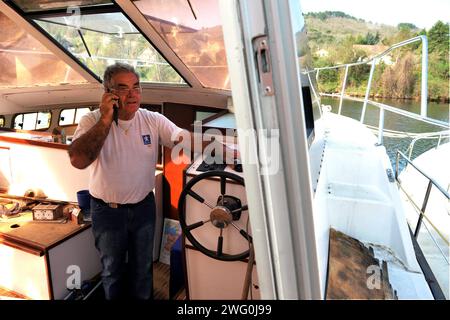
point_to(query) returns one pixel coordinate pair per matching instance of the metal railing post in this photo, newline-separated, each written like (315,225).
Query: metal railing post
(422,211)
(315,93)
(374,60)
(411,148)
(431,182)
(343,89)
(439,141)
(363,113)
(397,161)
(381,127)
(424,88)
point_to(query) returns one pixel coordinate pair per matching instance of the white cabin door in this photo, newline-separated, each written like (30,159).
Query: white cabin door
(262,39)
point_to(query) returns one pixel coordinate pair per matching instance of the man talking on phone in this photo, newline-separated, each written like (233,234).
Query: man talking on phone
(122,161)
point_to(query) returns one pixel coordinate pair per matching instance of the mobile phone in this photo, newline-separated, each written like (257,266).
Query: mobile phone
(115,111)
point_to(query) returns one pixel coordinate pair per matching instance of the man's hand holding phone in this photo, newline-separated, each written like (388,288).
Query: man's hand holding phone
(109,107)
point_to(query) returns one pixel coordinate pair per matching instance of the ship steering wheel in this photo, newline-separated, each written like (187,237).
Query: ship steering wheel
(222,215)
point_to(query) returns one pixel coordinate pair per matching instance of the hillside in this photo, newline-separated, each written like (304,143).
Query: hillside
(338,38)
(335,29)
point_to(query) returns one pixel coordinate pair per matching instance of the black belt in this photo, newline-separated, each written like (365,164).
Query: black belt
(121,205)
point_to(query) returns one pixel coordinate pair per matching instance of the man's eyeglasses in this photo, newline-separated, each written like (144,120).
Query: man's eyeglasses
(123,91)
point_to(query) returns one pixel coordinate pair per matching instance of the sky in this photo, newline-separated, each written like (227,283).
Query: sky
(422,13)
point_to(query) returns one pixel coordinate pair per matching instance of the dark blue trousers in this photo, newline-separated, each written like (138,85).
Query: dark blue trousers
(121,233)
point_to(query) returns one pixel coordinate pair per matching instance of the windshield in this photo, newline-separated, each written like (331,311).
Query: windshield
(99,34)
(25,62)
(193,29)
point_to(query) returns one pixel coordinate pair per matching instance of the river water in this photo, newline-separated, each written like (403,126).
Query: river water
(439,111)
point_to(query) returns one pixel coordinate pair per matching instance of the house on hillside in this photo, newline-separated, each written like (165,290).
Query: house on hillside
(321,53)
(373,50)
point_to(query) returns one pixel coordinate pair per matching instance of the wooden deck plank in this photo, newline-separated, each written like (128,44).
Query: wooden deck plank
(161,278)
(354,272)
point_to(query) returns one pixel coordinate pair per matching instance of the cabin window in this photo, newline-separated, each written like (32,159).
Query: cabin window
(194,32)
(98,34)
(32,121)
(304,62)
(25,62)
(66,117)
(79,113)
(71,116)
(2,121)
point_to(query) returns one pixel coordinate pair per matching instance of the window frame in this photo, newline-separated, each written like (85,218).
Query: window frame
(13,121)
(74,115)
(86,10)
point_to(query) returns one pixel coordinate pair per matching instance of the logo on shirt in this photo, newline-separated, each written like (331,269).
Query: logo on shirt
(146,139)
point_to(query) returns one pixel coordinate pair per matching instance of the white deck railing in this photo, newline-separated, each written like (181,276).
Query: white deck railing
(373,62)
(445,133)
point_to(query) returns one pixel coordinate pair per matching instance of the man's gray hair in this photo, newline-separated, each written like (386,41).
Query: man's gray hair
(114,69)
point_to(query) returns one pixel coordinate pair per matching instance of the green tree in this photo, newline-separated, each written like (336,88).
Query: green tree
(406,25)
(438,61)
(438,37)
(372,38)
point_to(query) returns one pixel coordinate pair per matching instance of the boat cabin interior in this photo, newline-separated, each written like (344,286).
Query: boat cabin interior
(53,54)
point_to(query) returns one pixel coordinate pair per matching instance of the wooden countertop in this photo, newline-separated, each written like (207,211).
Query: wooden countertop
(36,138)
(36,236)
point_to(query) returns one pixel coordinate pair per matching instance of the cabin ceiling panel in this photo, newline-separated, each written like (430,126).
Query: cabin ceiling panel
(39,100)
(31,99)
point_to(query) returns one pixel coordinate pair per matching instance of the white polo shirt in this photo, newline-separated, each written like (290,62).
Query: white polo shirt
(124,171)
